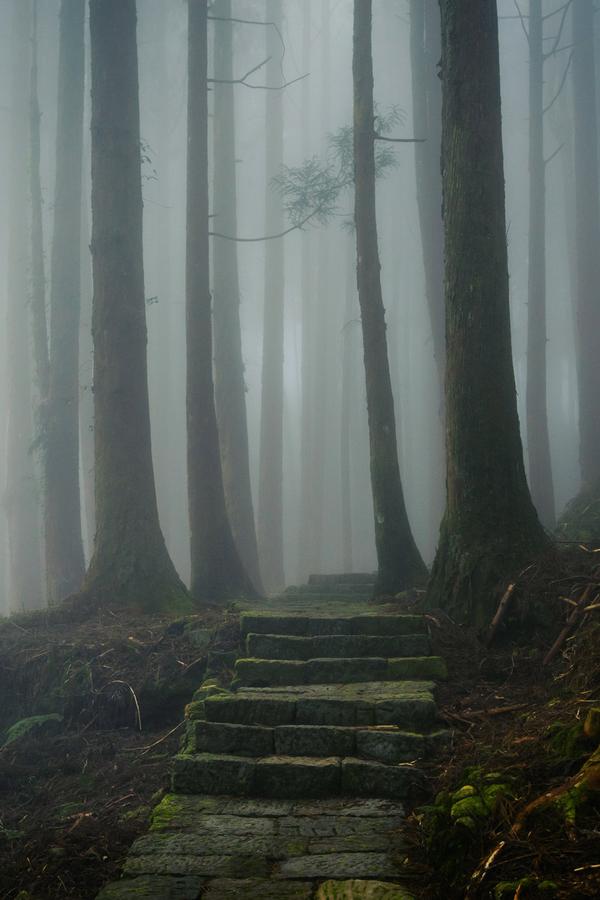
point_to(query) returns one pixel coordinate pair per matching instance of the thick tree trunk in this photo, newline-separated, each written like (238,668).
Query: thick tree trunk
(270,484)
(400,563)
(490,527)
(538,441)
(587,240)
(230,387)
(130,565)
(64,543)
(21,497)
(217,572)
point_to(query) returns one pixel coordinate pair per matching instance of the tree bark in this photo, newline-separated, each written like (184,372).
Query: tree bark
(230,387)
(490,527)
(217,572)
(130,565)
(22,496)
(587,240)
(349,390)
(64,543)
(399,561)
(538,441)
(270,485)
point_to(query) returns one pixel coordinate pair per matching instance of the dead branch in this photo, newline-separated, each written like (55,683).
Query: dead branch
(500,613)
(571,623)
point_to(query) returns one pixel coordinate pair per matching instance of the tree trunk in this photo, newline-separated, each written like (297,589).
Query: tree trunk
(64,543)
(130,565)
(587,240)
(217,572)
(270,485)
(399,561)
(349,390)
(230,387)
(21,497)
(490,527)
(538,441)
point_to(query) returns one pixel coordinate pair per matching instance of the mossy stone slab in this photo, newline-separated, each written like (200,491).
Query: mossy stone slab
(307,626)
(257,889)
(362,890)
(239,740)
(332,646)
(432,667)
(314,740)
(392,745)
(154,887)
(366,778)
(275,672)
(207,866)
(210,773)
(337,865)
(284,776)
(220,837)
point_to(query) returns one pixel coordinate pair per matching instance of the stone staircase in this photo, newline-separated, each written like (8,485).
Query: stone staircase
(292,779)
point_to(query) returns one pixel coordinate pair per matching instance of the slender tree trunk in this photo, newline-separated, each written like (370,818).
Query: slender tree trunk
(230,388)
(490,527)
(538,441)
(307,499)
(349,389)
(130,565)
(427,122)
(400,564)
(217,572)
(86,376)
(270,485)
(587,237)
(64,543)
(21,497)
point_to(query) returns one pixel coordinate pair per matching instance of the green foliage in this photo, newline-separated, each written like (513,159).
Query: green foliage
(525,887)
(314,189)
(33,724)
(567,742)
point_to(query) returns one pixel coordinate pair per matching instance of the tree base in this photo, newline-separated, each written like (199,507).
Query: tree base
(580,520)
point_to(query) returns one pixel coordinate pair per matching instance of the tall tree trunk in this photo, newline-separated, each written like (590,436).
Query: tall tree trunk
(490,527)
(349,390)
(64,543)
(130,565)
(587,238)
(538,441)
(230,388)
(270,484)
(217,572)
(21,497)
(307,498)
(399,561)
(427,122)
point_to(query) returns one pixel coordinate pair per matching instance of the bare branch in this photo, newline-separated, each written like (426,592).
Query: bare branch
(390,140)
(561,85)
(555,12)
(258,87)
(267,237)
(552,155)
(561,26)
(522,19)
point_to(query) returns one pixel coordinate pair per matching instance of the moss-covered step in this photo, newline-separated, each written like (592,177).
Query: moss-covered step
(277,672)
(356,889)
(335,646)
(291,776)
(386,744)
(154,887)
(363,588)
(343,578)
(307,626)
(405,703)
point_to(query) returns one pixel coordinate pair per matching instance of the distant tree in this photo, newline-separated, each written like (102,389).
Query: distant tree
(399,561)
(64,543)
(230,387)
(130,565)
(490,527)
(270,482)
(21,497)
(217,571)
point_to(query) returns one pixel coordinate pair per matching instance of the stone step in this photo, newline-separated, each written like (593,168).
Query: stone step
(324,597)
(279,672)
(344,588)
(299,625)
(280,646)
(283,777)
(387,744)
(409,704)
(344,577)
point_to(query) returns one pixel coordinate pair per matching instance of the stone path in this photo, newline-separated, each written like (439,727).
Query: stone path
(292,780)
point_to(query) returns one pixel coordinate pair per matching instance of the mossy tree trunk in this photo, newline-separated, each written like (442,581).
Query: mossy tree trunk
(538,440)
(587,240)
(490,526)
(270,482)
(217,572)
(64,542)
(130,565)
(21,500)
(230,387)
(399,561)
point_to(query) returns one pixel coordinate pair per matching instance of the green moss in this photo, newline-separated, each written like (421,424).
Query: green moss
(527,887)
(31,725)
(580,520)
(162,816)
(567,742)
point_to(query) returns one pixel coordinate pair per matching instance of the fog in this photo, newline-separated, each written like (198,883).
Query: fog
(327,518)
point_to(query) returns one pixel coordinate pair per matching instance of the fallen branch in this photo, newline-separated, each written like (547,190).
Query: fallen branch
(570,625)
(500,613)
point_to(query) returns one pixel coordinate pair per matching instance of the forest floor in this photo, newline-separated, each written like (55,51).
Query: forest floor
(76,790)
